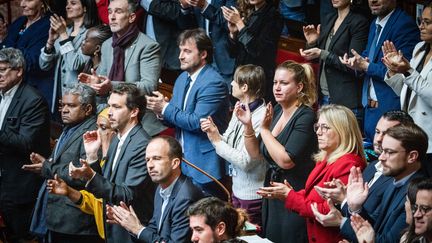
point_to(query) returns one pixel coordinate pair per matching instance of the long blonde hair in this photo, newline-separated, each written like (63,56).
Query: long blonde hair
(341,120)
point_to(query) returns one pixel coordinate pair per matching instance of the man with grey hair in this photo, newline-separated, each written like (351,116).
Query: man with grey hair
(24,127)
(64,221)
(129,56)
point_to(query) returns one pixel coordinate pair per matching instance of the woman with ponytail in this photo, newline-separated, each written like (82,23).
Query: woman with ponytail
(286,143)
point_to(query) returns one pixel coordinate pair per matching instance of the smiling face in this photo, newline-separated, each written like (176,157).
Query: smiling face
(119,16)
(426,25)
(328,139)
(285,88)
(423,220)
(31,8)
(74,9)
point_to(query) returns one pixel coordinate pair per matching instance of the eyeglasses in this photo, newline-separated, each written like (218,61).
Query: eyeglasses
(390,152)
(424,22)
(4,70)
(421,208)
(324,127)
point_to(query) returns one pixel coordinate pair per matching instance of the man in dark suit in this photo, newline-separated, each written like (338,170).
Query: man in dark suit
(124,175)
(173,197)
(199,92)
(391,24)
(64,221)
(24,127)
(403,147)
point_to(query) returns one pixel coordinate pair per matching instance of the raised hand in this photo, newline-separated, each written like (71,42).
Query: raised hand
(393,59)
(156,102)
(332,219)
(103,87)
(232,15)
(356,62)
(335,190)
(85,172)
(58,25)
(126,217)
(92,78)
(208,126)
(57,186)
(276,190)
(268,117)
(310,54)
(92,142)
(357,190)
(311,33)
(363,229)
(242,112)
(37,163)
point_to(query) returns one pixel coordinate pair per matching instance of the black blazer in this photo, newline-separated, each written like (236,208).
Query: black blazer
(175,222)
(344,87)
(62,215)
(128,181)
(25,129)
(168,23)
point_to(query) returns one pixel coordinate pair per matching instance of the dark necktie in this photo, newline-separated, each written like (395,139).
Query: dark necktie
(374,43)
(419,68)
(187,85)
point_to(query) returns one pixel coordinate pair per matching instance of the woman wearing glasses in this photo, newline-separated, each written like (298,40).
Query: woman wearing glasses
(286,142)
(340,148)
(412,81)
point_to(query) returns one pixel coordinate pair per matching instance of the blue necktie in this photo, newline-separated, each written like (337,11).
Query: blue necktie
(188,81)
(371,55)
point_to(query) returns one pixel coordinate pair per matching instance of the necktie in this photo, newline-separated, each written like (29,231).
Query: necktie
(187,85)
(374,42)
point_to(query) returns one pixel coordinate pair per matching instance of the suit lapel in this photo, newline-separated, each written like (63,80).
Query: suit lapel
(327,29)
(195,86)
(14,104)
(317,174)
(130,51)
(340,30)
(171,199)
(121,153)
(106,170)
(385,31)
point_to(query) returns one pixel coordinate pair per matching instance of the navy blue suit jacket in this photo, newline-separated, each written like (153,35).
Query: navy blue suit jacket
(175,223)
(375,195)
(402,30)
(30,42)
(389,220)
(207,97)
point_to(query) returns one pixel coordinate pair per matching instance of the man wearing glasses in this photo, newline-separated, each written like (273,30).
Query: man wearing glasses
(403,147)
(422,211)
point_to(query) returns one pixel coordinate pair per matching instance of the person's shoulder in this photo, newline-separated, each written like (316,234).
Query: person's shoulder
(188,190)
(146,40)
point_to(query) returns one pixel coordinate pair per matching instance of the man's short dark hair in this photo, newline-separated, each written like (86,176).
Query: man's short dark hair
(397,115)
(175,149)
(411,137)
(425,184)
(201,40)
(216,211)
(134,97)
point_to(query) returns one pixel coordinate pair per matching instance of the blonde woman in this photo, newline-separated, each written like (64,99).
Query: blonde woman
(340,148)
(286,143)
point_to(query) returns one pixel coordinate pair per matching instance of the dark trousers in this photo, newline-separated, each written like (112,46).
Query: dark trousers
(17,219)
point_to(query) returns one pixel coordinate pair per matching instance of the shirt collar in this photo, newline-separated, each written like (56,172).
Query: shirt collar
(122,138)
(11,92)
(384,20)
(379,167)
(402,181)
(166,193)
(194,76)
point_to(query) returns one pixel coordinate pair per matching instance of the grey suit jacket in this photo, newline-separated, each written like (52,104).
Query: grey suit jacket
(175,223)
(62,215)
(128,181)
(142,67)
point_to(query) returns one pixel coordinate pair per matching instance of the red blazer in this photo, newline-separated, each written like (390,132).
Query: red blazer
(301,201)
